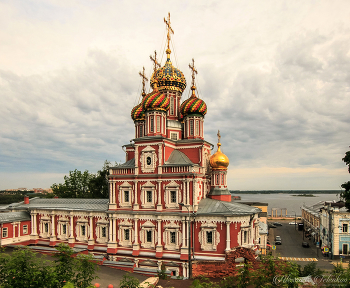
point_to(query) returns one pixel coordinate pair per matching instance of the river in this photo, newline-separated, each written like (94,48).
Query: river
(288,201)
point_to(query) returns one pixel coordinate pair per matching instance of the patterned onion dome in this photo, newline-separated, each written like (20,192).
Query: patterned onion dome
(137,113)
(155,101)
(219,161)
(193,105)
(169,77)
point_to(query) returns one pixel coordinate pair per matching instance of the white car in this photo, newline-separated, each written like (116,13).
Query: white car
(292,223)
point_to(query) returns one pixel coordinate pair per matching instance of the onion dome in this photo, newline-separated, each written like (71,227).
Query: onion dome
(137,113)
(193,105)
(155,101)
(169,77)
(219,161)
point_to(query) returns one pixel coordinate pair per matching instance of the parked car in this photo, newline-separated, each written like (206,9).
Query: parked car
(305,244)
(271,225)
(277,224)
(292,223)
(278,240)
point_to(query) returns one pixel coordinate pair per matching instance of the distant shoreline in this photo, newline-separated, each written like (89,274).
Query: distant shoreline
(294,192)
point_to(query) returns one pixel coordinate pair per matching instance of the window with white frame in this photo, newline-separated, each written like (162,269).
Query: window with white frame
(125,233)
(25,229)
(172,195)
(151,124)
(191,127)
(209,237)
(141,131)
(222,180)
(62,228)
(172,236)
(158,123)
(4,232)
(147,235)
(345,228)
(82,230)
(125,195)
(148,195)
(45,227)
(217,179)
(197,127)
(148,160)
(171,105)
(345,249)
(173,136)
(102,230)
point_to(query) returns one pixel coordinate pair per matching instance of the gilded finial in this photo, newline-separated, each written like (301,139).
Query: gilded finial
(194,72)
(155,62)
(170,30)
(143,75)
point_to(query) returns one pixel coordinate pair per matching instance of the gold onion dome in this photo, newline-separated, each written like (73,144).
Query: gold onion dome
(193,105)
(219,161)
(169,77)
(155,101)
(137,113)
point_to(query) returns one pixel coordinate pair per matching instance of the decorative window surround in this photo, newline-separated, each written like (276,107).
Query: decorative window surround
(148,159)
(168,230)
(168,199)
(82,226)
(123,226)
(45,227)
(125,187)
(61,234)
(203,237)
(102,231)
(148,227)
(25,229)
(145,203)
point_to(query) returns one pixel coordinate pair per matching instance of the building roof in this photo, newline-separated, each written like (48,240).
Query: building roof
(263,228)
(215,207)
(14,217)
(65,204)
(127,164)
(178,158)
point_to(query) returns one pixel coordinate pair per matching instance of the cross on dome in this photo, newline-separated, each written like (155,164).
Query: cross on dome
(167,22)
(194,71)
(155,62)
(143,75)
(219,136)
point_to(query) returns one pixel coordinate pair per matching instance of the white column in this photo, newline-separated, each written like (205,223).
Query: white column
(184,243)
(35,224)
(91,231)
(113,192)
(110,193)
(184,191)
(71,238)
(159,242)
(228,239)
(53,230)
(114,223)
(110,230)
(136,232)
(19,230)
(159,205)
(188,193)
(32,224)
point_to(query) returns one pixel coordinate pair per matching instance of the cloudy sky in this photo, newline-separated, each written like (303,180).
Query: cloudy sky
(274,74)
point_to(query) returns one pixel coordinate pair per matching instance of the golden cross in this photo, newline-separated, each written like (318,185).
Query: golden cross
(167,22)
(143,80)
(194,71)
(219,136)
(156,64)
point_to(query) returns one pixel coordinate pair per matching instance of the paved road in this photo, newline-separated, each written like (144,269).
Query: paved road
(291,246)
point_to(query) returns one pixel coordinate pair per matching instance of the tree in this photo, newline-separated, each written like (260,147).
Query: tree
(346,186)
(84,184)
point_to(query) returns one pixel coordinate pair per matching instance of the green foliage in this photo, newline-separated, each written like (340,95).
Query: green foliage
(346,186)
(129,281)
(161,273)
(24,268)
(310,269)
(84,184)
(203,282)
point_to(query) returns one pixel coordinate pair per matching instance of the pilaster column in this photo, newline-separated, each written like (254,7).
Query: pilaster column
(136,246)
(159,205)
(112,246)
(110,192)
(32,224)
(91,241)
(228,236)
(159,247)
(71,238)
(188,193)
(110,230)
(19,230)
(184,243)
(53,230)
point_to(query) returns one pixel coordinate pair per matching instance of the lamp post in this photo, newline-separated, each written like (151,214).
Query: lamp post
(295,220)
(189,242)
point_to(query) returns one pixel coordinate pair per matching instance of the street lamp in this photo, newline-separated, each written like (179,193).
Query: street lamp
(189,242)
(295,220)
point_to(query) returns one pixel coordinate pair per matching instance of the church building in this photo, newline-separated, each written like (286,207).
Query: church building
(170,184)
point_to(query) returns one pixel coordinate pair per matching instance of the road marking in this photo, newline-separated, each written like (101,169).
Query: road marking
(299,259)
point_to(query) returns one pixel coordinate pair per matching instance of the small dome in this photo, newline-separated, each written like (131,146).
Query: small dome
(169,77)
(193,105)
(137,113)
(155,101)
(219,161)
